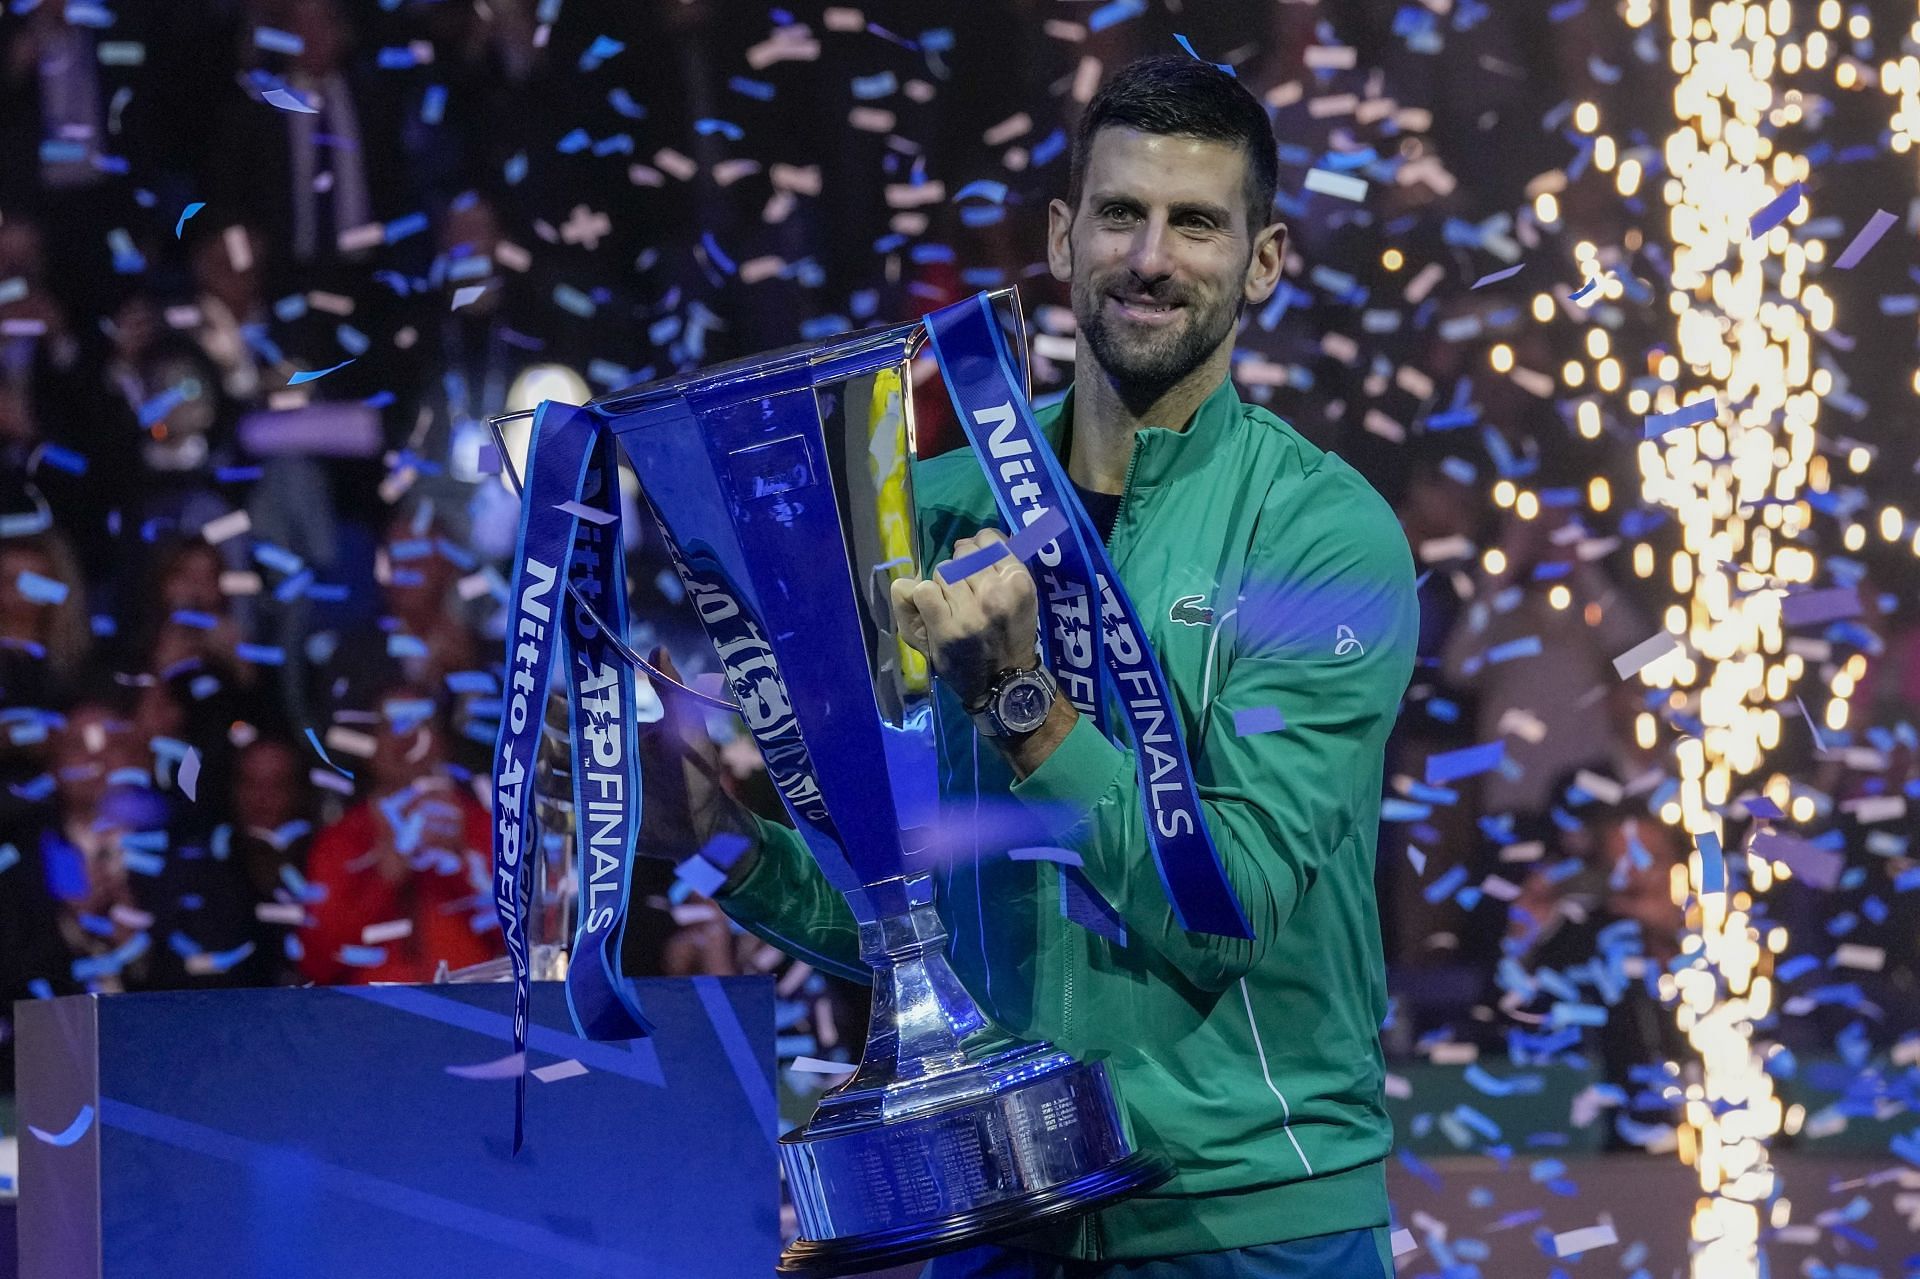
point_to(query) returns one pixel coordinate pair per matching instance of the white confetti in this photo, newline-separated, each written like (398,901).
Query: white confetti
(188,776)
(1570,1243)
(1645,654)
(391,930)
(1867,959)
(559,1070)
(226,527)
(1340,185)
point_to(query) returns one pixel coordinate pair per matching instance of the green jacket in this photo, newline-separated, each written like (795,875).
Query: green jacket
(1268,574)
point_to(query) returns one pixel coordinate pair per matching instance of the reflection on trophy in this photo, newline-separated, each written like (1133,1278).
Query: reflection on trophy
(783,486)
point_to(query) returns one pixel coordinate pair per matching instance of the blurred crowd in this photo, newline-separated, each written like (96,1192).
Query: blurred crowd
(267,267)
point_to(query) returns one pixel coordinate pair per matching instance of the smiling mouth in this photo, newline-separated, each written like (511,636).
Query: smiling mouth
(1145,309)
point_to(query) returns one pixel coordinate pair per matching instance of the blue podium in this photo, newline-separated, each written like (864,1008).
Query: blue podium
(301,1133)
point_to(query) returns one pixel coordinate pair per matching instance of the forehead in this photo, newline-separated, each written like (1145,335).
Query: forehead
(1161,167)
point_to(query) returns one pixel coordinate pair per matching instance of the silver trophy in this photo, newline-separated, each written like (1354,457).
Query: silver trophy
(783,484)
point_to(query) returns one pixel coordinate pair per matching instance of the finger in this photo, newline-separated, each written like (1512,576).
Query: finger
(907,622)
(936,603)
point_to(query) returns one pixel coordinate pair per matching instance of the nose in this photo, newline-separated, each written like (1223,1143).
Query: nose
(1150,256)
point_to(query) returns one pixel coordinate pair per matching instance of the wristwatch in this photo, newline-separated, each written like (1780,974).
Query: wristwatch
(1016,704)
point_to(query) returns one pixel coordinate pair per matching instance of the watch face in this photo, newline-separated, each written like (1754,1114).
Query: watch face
(1023,705)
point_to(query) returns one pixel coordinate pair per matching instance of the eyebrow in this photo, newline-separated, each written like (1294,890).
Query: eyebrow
(1219,213)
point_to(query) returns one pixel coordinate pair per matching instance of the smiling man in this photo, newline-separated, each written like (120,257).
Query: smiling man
(1277,591)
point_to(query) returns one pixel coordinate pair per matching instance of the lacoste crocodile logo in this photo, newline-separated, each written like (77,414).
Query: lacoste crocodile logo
(1192,610)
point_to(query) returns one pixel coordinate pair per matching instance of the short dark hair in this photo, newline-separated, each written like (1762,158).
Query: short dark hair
(1184,98)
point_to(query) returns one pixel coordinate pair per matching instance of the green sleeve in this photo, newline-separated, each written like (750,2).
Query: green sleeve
(1278,804)
(787,902)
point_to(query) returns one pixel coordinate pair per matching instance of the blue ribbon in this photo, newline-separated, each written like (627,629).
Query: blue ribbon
(603,715)
(1088,662)
(569,461)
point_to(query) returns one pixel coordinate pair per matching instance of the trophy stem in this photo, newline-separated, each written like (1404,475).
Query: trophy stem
(915,1058)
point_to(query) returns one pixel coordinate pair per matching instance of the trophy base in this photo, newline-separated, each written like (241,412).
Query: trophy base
(1031,1136)
(1095,1190)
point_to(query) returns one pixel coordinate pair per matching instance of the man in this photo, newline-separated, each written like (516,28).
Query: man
(1277,590)
(398,879)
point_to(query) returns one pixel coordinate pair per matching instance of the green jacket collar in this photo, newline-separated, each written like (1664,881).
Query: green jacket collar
(1160,453)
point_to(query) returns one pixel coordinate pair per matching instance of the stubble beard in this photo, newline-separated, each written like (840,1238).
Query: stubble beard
(1142,364)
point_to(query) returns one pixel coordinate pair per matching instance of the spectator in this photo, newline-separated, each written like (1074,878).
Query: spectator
(187,617)
(85,909)
(61,427)
(272,830)
(401,882)
(44,634)
(422,634)
(232,309)
(305,176)
(173,391)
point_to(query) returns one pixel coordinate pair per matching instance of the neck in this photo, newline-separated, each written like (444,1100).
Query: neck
(1107,416)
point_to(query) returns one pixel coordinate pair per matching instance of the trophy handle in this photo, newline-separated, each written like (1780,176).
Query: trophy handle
(618,642)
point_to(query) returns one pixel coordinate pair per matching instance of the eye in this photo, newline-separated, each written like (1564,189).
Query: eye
(1116,213)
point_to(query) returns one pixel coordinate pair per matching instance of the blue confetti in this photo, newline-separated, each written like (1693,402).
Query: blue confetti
(982,189)
(1442,888)
(313,740)
(1188,46)
(40,590)
(62,459)
(70,1134)
(1713,864)
(1251,721)
(313,375)
(188,212)
(602,48)
(1450,766)
(399,229)
(1704,409)
(274,40)
(1525,646)
(1115,12)
(1776,211)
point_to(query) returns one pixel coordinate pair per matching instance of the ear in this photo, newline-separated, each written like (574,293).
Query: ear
(1269,255)
(1059,242)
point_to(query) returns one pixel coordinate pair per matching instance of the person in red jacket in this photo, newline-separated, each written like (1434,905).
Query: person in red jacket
(400,882)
